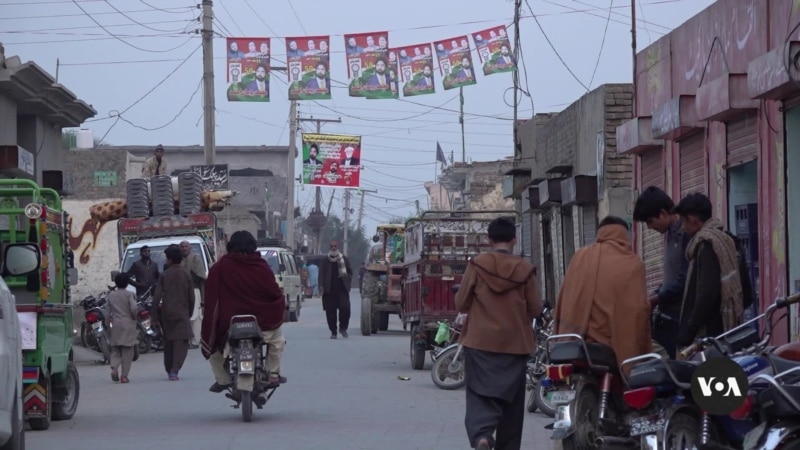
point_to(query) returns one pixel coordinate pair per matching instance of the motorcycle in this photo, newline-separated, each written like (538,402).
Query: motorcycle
(248,352)
(537,382)
(448,364)
(93,329)
(147,333)
(658,393)
(780,412)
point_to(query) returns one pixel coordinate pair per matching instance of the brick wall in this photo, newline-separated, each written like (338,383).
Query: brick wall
(81,166)
(618,109)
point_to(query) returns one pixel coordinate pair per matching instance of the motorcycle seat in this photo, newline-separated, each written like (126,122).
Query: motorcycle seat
(775,406)
(567,352)
(653,373)
(782,365)
(240,331)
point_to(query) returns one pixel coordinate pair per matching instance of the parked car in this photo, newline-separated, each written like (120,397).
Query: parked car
(18,259)
(287,274)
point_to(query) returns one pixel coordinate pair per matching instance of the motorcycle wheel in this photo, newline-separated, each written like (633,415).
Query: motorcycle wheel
(683,432)
(442,377)
(105,349)
(247,406)
(539,395)
(585,409)
(145,342)
(531,405)
(87,339)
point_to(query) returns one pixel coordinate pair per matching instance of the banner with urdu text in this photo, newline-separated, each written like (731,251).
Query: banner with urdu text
(367,64)
(455,62)
(332,160)
(494,50)
(248,69)
(308,67)
(416,68)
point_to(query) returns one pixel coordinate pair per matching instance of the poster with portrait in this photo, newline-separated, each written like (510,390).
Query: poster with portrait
(248,69)
(308,67)
(368,65)
(494,50)
(416,69)
(455,62)
(332,160)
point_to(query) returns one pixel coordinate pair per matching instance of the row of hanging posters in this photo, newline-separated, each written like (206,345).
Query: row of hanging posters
(332,160)
(374,69)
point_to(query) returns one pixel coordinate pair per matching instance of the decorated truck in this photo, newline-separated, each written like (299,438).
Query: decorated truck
(32,214)
(381,294)
(438,247)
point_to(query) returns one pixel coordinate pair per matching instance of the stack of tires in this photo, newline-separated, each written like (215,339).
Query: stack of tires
(190,193)
(163,195)
(138,198)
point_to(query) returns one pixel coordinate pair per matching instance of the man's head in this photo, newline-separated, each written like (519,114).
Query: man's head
(186,248)
(380,66)
(504,50)
(440,47)
(234,47)
(173,254)
(370,41)
(264,48)
(121,280)
(427,70)
(695,210)
(261,72)
(464,43)
(503,232)
(351,42)
(492,34)
(465,62)
(348,152)
(312,45)
(454,44)
(654,208)
(417,51)
(502,32)
(334,246)
(159,152)
(242,243)
(427,51)
(313,151)
(403,53)
(613,220)
(334,167)
(144,252)
(251,47)
(323,46)
(321,69)
(292,45)
(382,41)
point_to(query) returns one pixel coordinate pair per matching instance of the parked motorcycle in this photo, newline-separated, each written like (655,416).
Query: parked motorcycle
(246,366)
(659,390)
(538,384)
(144,324)
(780,413)
(94,329)
(448,371)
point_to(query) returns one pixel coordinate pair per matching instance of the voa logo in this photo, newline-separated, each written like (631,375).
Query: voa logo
(719,386)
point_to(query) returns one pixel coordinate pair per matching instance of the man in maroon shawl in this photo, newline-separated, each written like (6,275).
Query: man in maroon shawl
(241,282)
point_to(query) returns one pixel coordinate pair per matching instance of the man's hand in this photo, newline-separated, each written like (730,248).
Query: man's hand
(653,301)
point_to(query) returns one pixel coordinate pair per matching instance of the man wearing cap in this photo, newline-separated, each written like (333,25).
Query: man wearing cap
(156,164)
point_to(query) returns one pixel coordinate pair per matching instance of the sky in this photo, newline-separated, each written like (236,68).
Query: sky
(143,59)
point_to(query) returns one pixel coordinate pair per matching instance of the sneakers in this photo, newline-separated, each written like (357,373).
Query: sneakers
(344,334)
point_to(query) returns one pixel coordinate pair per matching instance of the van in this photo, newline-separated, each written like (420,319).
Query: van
(287,274)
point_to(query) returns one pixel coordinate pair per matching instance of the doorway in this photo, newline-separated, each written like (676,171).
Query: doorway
(792,118)
(743,220)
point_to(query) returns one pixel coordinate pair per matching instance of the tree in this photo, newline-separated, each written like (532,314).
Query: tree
(69,140)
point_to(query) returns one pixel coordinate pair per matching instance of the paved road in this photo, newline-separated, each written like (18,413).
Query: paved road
(342,394)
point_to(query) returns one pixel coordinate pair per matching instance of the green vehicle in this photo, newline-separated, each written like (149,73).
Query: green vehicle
(32,214)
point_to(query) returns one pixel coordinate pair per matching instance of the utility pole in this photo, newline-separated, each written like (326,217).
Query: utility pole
(209,140)
(346,219)
(361,208)
(633,49)
(318,191)
(515,74)
(290,174)
(461,121)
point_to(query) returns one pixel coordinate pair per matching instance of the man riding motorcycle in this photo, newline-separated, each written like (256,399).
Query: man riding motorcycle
(242,283)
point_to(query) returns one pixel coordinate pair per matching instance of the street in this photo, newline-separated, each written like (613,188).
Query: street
(341,394)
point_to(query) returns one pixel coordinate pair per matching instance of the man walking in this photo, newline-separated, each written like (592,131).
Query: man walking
(193,265)
(156,164)
(655,208)
(335,277)
(175,299)
(498,293)
(714,298)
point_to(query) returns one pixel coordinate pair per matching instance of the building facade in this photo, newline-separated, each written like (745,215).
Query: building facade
(470,186)
(567,175)
(716,111)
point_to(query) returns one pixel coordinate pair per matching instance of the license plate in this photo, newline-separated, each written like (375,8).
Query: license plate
(561,397)
(751,439)
(648,424)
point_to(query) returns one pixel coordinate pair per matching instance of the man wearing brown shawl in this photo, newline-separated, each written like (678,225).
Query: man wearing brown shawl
(713,300)
(603,297)
(335,278)
(174,296)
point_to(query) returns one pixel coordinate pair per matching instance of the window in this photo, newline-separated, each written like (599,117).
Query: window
(271,258)
(156,254)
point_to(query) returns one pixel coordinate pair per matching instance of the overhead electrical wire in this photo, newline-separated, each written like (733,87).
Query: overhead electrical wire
(182,9)
(602,44)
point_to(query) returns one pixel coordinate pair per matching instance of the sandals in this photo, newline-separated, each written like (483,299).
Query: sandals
(124,379)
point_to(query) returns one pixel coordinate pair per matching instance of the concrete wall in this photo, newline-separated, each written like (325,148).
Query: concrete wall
(8,125)
(81,165)
(96,253)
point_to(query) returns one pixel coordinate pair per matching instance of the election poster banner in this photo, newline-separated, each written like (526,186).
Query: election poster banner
(455,62)
(416,68)
(394,73)
(308,67)
(332,160)
(494,50)
(368,64)
(248,69)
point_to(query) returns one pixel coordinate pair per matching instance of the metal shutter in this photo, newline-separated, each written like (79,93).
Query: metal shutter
(527,234)
(589,224)
(693,165)
(652,242)
(742,142)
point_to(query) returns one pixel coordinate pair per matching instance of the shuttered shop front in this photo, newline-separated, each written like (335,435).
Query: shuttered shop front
(693,165)
(742,145)
(652,241)
(589,224)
